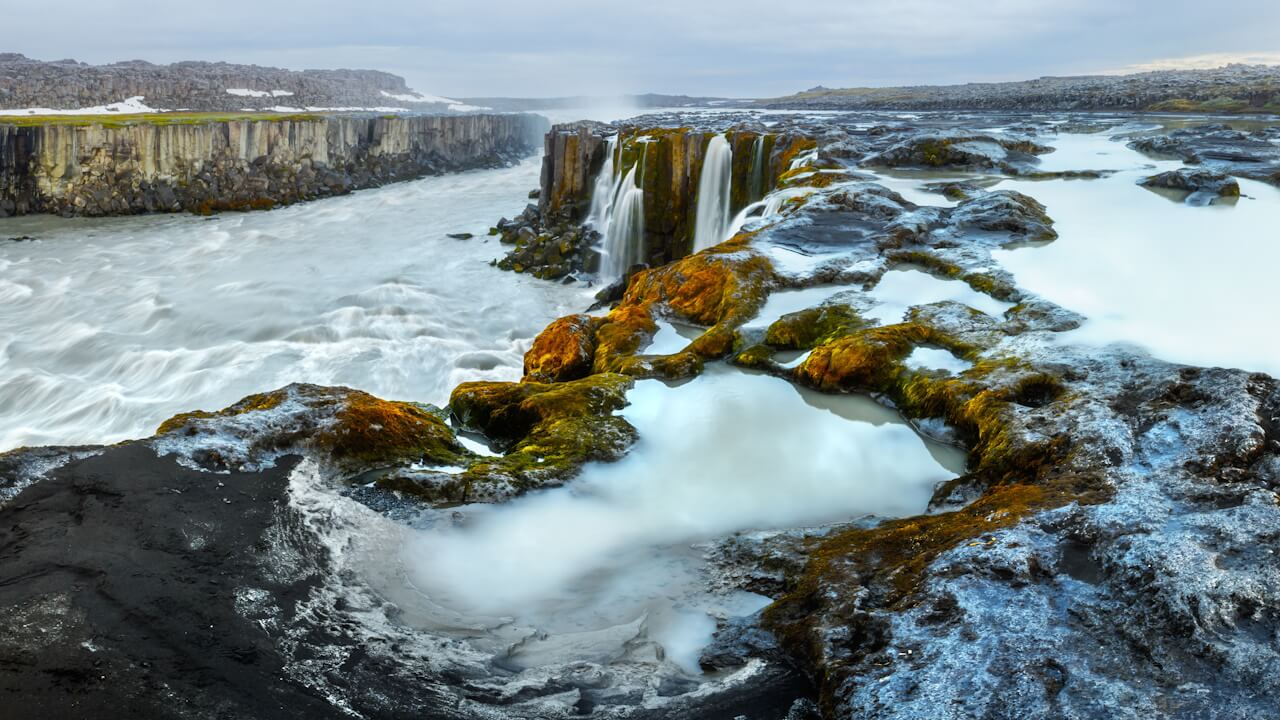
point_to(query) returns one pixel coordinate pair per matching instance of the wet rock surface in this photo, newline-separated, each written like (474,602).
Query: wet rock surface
(1200,186)
(1219,148)
(176,593)
(959,150)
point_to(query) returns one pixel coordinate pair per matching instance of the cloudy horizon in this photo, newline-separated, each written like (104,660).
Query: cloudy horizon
(744,48)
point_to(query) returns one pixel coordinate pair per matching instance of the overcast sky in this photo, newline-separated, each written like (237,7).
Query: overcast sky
(736,48)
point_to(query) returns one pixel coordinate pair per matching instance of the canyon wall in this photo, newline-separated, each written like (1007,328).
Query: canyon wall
(114,168)
(199,86)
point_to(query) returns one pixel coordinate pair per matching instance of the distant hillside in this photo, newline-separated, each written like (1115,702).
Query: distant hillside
(1229,89)
(201,86)
(645,101)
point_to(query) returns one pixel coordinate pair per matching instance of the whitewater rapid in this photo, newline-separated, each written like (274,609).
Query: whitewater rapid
(109,326)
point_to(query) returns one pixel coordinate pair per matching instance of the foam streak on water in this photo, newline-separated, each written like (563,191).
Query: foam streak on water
(109,326)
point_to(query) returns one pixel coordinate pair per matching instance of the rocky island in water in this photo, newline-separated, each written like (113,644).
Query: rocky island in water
(916,403)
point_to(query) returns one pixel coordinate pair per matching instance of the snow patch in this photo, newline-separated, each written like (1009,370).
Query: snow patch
(245,92)
(124,107)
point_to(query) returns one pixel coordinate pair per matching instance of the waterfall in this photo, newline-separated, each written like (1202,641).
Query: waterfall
(742,217)
(758,188)
(605,188)
(617,212)
(713,195)
(804,160)
(624,237)
(766,209)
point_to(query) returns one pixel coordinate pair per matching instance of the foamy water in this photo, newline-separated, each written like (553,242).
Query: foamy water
(608,556)
(107,327)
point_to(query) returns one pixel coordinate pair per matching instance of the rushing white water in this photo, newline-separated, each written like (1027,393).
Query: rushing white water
(605,187)
(723,453)
(109,326)
(617,212)
(765,210)
(624,234)
(713,215)
(758,164)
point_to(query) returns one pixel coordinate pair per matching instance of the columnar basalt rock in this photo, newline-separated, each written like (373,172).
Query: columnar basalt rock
(124,168)
(668,167)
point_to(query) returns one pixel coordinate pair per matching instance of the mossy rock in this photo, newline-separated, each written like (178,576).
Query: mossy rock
(352,430)
(806,328)
(550,429)
(565,350)
(720,288)
(252,403)
(373,432)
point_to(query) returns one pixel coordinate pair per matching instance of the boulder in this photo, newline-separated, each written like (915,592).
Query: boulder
(1202,186)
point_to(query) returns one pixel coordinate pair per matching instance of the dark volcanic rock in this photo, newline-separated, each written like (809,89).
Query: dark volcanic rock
(135,585)
(1218,148)
(1202,186)
(133,576)
(1232,88)
(960,150)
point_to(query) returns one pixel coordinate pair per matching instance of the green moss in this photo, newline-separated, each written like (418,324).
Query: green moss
(371,432)
(806,328)
(1216,105)
(991,285)
(550,430)
(928,261)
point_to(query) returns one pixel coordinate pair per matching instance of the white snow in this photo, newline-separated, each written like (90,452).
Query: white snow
(129,105)
(245,92)
(417,97)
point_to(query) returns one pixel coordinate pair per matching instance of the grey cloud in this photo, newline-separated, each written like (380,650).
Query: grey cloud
(715,47)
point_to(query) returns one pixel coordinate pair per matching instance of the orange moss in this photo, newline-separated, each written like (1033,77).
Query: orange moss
(375,431)
(893,560)
(722,288)
(868,359)
(792,149)
(565,350)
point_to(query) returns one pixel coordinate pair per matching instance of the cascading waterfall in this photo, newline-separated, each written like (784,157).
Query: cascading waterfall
(758,188)
(713,218)
(617,212)
(804,160)
(769,207)
(605,188)
(624,241)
